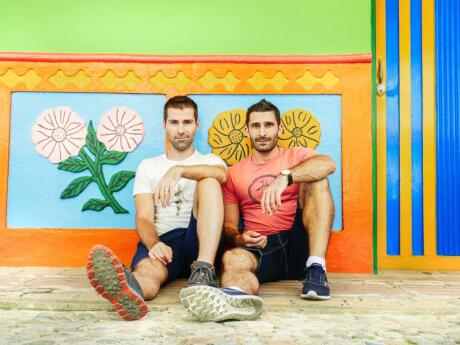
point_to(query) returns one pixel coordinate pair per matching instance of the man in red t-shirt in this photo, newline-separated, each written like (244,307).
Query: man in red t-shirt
(281,195)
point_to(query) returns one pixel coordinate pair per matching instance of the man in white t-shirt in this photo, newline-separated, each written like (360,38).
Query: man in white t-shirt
(179,219)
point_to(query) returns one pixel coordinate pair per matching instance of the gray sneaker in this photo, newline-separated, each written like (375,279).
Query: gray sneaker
(116,283)
(202,274)
(207,303)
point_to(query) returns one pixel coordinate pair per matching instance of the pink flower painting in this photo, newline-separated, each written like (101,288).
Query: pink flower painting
(58,134)
(121,129)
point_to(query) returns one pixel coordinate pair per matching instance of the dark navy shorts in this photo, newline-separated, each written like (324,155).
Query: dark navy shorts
(285,255)
(184,245)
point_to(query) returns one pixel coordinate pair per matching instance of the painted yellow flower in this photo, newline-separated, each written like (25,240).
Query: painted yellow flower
(301,128)
(227,136)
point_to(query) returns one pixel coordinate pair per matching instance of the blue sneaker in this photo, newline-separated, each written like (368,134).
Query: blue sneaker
(315,285)
(207,303)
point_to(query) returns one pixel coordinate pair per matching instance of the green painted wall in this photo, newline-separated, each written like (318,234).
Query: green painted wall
(186,26)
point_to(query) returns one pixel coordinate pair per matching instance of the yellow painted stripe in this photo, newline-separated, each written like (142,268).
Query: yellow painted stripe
(435,263)
(429,128)
(381,133)
(405,128)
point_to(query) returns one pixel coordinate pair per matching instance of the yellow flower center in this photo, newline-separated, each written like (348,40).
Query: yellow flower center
(58,134)
(235,136)
(297,132)
(121,130)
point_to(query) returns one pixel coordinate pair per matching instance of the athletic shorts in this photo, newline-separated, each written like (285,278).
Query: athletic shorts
(285,255)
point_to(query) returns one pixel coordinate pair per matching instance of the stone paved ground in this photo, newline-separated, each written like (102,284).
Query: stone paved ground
(57,306)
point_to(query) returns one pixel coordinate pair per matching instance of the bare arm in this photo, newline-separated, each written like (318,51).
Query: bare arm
(248,238)
(147,231)
(313,169)
(199,172)
(231,220)
(145,212)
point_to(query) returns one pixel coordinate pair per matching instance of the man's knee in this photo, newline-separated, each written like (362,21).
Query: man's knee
(207,191)
(149,267)
(208,184)
(151,274)
(316,186)
(312,189)
(239,259)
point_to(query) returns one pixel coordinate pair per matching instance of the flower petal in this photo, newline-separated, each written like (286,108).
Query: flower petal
(304,129)
(54,127)
(121,129)
(287,121)
(55,155)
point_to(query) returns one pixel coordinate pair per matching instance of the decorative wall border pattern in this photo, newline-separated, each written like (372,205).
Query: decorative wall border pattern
(349,76)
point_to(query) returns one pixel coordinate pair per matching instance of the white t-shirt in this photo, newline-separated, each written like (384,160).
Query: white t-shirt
(150,172)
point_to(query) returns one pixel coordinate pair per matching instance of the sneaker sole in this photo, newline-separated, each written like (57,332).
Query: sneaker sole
(211,304)
(313,296)
(107,276)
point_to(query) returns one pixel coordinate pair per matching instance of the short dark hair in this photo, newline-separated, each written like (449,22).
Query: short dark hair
(261,106)
(180,102)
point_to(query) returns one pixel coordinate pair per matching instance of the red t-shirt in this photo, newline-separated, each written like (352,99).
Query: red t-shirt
(246,182)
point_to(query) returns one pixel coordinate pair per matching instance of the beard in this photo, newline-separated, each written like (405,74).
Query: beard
(182,145)
(268,145)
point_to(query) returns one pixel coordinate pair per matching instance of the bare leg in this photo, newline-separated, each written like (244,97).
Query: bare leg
(318,215)
(208,209)
(150,274)
(239,267)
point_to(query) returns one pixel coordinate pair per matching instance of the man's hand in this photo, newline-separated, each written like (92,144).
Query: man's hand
(252,239)
(271,198)
(162,252)
(167,185)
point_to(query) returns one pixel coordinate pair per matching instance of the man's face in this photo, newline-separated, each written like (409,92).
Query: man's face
(263,131)
(180,127)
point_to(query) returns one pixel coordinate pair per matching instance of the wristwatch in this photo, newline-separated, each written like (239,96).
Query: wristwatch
(287,172)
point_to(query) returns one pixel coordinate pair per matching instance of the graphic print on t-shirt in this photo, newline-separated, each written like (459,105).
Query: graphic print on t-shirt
(179,199)
(257,186)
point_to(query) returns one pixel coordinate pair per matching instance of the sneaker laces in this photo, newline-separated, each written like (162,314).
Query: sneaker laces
(202,275)
(315,274)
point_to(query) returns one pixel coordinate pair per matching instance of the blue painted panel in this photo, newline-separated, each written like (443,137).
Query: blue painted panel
(447,18)
(393,202)
(326,108)
(416,124)
(35,184)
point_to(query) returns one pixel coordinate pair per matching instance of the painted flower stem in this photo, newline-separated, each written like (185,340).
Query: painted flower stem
(98,176)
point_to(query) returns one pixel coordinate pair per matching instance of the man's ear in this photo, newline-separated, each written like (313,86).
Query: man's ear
(246,128)
(280,129)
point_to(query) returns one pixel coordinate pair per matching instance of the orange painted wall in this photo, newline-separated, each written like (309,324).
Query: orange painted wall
(349,76)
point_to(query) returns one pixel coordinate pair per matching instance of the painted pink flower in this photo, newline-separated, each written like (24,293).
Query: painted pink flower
(121,129)
(58,134)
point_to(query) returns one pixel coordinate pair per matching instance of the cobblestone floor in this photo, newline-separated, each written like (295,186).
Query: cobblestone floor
(58,306)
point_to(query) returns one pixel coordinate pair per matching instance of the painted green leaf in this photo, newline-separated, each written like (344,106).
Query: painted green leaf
(93,144)
(113,157)
(95,205)
(72,164)
(120,179)
(76,187)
